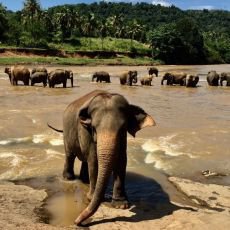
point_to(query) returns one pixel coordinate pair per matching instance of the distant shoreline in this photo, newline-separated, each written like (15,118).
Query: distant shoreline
(11,56)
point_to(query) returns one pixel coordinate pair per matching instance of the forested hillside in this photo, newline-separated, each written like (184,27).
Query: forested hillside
(170,34)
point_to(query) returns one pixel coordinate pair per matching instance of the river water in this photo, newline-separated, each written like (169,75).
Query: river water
(192,132)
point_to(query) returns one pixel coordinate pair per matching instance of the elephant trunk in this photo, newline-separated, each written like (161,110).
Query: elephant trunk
(106,149)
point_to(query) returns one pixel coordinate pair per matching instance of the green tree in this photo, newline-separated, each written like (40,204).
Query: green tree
(3,23)
(89,27)
(166,44)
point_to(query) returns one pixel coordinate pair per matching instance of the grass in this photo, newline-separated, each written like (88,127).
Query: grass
(75,61)
(87,44)
(109,44)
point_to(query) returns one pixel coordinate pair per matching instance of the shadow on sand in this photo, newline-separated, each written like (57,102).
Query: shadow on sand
(147,198)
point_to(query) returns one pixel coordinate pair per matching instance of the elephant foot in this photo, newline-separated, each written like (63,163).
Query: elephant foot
(121,204)
(69,176)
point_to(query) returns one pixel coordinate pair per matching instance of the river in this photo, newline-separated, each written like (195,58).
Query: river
(192,132)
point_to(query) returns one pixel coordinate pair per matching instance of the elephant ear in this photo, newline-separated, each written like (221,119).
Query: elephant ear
(138,119)
(84,116)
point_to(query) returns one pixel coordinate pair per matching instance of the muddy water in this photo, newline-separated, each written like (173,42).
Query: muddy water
(192,132)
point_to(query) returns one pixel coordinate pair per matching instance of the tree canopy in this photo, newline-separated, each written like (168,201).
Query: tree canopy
(173,35)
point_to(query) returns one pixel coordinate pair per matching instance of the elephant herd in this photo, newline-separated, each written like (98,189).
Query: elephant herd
(171,78)
(60,76)
(213,78)
(39,75)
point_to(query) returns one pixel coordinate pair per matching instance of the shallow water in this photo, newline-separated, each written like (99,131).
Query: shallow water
(192,132)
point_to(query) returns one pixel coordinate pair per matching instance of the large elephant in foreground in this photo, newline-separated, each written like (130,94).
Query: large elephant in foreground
(192,80)
(18,73)
(101,76)
(177,78)
(225,76)
(128,78)
(213,78)
(60,76)
(152,70)
(95,130)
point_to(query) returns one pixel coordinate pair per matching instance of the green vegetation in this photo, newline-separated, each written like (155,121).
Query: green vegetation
(123,60)
(167,33)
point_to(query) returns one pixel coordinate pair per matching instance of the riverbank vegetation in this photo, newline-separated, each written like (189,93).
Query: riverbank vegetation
(168,34)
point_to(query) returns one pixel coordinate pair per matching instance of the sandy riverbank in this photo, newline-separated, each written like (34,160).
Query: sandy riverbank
(21,208)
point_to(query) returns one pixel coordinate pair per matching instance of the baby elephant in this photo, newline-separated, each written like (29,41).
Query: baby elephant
(225,76)
(101,76)
(153,70)
(95,130)
(39,77)
(147,80)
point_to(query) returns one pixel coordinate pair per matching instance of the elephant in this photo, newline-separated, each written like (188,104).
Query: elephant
(128,78)
(95,130)
(153,70)
(38,77)
(213,78)
(39,69)
(60,76)
(18,73)
(225,76)
(147,80)
(192,80)
(174,78)
(101,76)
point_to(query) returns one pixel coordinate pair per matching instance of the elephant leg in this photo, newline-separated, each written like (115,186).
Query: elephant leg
(84,173)
(68,172)
(119,199)
(64,84)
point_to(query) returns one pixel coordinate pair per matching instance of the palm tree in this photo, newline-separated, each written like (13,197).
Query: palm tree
(133,30)
(30,13)
(90,27)
(103,29)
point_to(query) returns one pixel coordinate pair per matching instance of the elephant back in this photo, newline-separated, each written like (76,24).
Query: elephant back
(39,69)
(213,78)
(20,73)
(123,77)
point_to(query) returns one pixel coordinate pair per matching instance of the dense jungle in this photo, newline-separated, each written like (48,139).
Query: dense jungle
(167,34)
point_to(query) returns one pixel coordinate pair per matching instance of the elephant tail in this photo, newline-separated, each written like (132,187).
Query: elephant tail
(57,130)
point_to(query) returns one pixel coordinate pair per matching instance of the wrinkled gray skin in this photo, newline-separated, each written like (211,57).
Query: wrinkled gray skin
(39,69)
(213,78)
(153,70)
(147,80)
(128,78)
(174,79)
(101,76)
(225,77)
(95,130)
(192,80)
(60,76)
(18,73)
(39,77)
